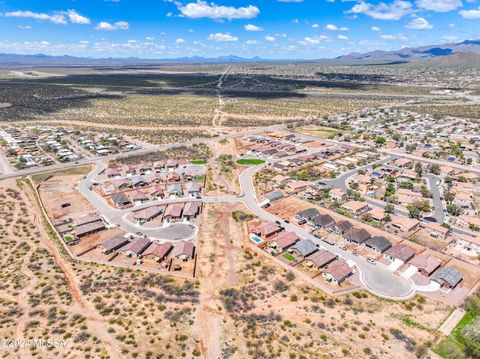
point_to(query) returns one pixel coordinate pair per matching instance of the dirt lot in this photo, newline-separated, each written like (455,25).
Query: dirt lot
(60,189)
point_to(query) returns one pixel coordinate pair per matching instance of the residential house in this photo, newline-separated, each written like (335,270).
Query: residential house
(113,244)
(337,271)
(266,230)
(303,248)
(336,194)
(156,252)
(192,189)
(148,214)
(356,236)
(89,228)
(436,230)
(280,180)
(404,224)
(426,264)
(139,181)
(356,207)
(468,221)
(378,243)
(377,214)
(174,190)
(400,252)
(320,259)
(183,250)
(468,245)
(138,197)
(173,212)
(283,241)
(273,196)
(90,218)
(120,200)
(136,247)
(296,187)
(447,277)
(191,210)
(307,214)
(341,227)
(322,221)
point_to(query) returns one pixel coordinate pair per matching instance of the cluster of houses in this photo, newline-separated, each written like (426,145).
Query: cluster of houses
(166,214)
(134,185)
(274,146)
(54,143)
(72,230)
(290,248)
(104,144)
(20,147)
(145,250)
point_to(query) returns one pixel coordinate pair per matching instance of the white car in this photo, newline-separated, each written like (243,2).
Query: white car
(371,261)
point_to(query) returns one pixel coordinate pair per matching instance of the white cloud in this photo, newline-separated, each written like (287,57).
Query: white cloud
(24,27)
(119,25)
(315,40)
(470,14)
(448,38)
(342,37)
(270,38)
(201,9)
(252,42)
(149,38)
(223,37)
(55,18)
(439,5)
(332,27)
(179,41)
(419,23)
(250,27)
(76,18)
(315,26)
(382,11)
(375,29)
(396,37)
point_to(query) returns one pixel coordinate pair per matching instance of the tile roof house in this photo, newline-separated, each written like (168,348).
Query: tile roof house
(404,224)
(157,251)
(266,229)
(138,197)
(86,219)
(320,258)
(468,245)
(378,244)
(89,228)
(148,214)
(303,248)
(183,250)
(113,244)
(336,194)
(355,207)
(337,271)
(447,277)
(173,211)
(136,247)
(356,236)
(283,240)
(191,209)
(401,252)
(426,263)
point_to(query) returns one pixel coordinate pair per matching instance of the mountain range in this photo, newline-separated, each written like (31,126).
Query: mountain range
(407,54)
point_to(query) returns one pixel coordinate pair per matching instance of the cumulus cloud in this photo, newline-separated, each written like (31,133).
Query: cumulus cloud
(342,37)
(202,9)
(397,37)
(375,29)
(383,11)
(439,5)
(106,26)
(472,14)
(179,41)
(419,23)
(223,37)
(55,18)
(332,27)
(315,40)
(250,27)
(270,38)
(252,42)
(315,26)
(76,18)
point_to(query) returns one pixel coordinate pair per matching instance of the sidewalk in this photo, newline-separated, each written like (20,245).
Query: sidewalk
(451,322)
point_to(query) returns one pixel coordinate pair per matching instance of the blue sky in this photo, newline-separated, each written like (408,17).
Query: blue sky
(277,29)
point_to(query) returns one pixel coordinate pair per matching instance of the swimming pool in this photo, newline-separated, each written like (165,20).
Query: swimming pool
(255,239)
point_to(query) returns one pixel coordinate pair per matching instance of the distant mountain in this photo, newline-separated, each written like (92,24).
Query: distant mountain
(457,60)
(41,59)
(415,53)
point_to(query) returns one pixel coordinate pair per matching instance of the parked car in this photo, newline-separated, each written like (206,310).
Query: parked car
(371,261)
(278,222)
(303,221)
(343,248)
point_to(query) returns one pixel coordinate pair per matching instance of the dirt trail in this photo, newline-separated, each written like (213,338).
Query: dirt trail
(216,271)
(95,322)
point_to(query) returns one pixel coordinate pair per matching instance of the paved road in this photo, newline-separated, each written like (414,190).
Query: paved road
(377,279)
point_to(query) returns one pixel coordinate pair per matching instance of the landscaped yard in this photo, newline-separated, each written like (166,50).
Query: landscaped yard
(250,161)
(288,257)
(199,162)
